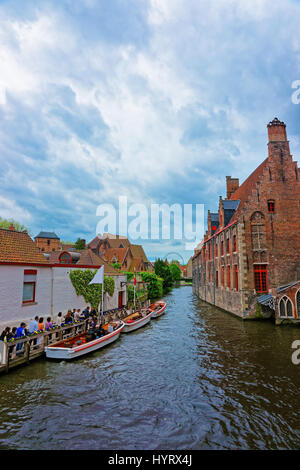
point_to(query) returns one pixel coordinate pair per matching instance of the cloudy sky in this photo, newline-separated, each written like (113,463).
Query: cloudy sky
(155,100)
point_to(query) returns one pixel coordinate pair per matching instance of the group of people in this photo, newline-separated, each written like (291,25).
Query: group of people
(38,324)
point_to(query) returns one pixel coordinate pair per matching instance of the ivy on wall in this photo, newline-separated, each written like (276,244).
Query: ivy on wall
(92,294)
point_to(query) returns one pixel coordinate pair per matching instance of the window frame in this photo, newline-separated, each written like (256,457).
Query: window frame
(61,261)
(271,206)
(285,299)
(34,292)
(262,271)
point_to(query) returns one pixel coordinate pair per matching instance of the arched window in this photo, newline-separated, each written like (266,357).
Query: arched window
(298,302)
(285,307)
(65,258)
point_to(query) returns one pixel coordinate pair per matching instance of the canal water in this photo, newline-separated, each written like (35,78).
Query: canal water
(195,378)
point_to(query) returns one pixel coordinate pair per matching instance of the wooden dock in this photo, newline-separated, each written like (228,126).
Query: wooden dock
(25,350)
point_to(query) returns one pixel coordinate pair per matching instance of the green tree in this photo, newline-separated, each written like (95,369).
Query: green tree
(175,271)
(5,223)
(162,270)
(116,266)
(79,244)
(154,285)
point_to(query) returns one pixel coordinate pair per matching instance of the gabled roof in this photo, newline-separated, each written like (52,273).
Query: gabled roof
(51,235)
(138,252)
(93,244)
(119,253)
(89,258)
(114,241)
(18,247)
(118,242)
(134,265)
(243,192)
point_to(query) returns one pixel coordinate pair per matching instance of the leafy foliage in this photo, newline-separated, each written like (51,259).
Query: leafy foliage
(155,286)
(175,271)
(5,223)
(91,293)
(130,293)
(79,244)
(129,275)
(162,270)
(117,266)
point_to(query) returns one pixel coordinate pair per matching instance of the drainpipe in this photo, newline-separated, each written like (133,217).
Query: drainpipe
(52,289)
(213,267)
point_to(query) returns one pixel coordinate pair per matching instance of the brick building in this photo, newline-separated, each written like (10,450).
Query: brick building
(118,249)
(252,243)
(47,241)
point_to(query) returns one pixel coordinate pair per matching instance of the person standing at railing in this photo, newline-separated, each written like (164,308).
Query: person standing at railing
(21,333)
(34,325)
(81,316)
(5,334)
(77,315)
(48,324)
(59,319)
(68,317)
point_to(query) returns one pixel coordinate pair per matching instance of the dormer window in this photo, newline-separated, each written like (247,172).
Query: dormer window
(65,258)
(271,206)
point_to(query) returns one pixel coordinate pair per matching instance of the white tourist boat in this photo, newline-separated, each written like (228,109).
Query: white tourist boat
(82,344)
(136,320)
(158,308)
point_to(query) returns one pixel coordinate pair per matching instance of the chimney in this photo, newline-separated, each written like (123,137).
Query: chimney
(12,227)
(277,131)
(277,137)
(232,184)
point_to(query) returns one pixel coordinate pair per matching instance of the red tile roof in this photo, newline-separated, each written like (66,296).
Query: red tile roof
(118,253)
(89,258)
(134,265)
(248,185)
(18,247)
(245,190)
(138,252)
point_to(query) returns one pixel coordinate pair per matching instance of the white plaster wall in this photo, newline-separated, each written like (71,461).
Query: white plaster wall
(12,311)
(113,301)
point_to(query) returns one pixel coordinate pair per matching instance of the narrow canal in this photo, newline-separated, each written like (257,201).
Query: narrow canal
(195,378)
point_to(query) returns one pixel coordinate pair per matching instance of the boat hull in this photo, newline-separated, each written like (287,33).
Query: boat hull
(56,352)
(137,324)
(158,313)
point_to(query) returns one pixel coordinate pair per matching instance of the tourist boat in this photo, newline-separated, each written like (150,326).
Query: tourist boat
(157,308)
(84,343)
(136,320)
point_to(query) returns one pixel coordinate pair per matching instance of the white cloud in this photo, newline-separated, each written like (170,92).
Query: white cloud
(195,94)
(10,210)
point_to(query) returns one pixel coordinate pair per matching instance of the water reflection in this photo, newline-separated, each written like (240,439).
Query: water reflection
(195,378)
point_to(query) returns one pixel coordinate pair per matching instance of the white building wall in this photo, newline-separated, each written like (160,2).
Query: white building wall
(54,293)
